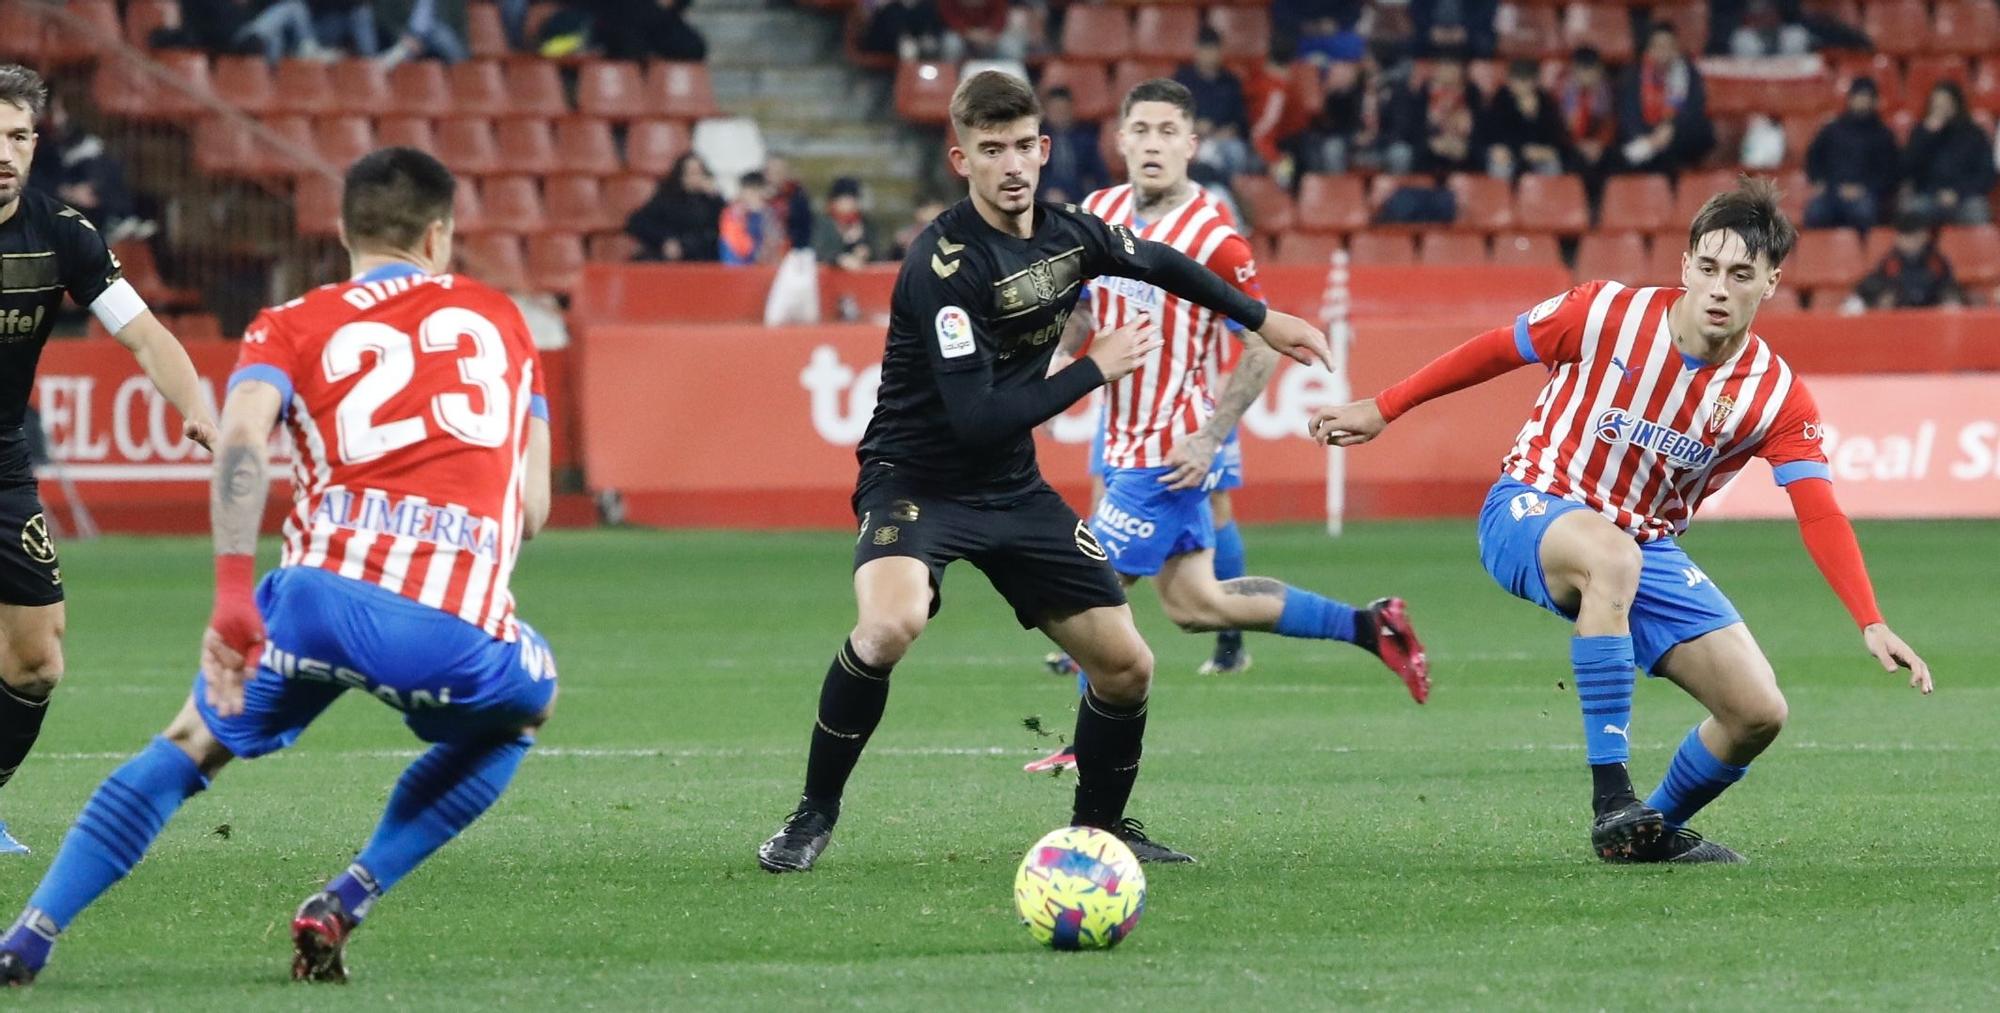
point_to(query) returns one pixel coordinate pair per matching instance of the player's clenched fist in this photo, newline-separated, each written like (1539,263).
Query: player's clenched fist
(1296,338)
(1348,425)
(1121,350)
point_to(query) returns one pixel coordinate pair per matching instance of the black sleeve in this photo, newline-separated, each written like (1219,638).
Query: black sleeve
(87,266)
(1114,250)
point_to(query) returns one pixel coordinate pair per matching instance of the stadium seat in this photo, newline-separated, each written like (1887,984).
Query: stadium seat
(1974,253)
(297,156)
(1551,204)
(1985,92)
(63,43)
(405,132)
(626,194)
(1694,191)
(923,90)
(612,248)
(576,204)
(23,32)
(316,205)
(679,90)
(120,90)
(360,84)
(1528,31)
(1617,256)
(535,88)
(1384,249)
(1245,31)
(652,146)
(468,147)
(1451,249)
(1924,73)
(1900,27)
(420,88)
(586,147)
(1663,262)
(1162,33)
(1484,202)
(495,259)
(1306,248)
(1690,21)
(479,88)
(513,204)
(1331,203)
(611,89)
(1637,203)
(161,100)
(1605,26)
(1267,205)
(245,82)
(526,146)
(302,87)
(223,146)
(555,261)
(1516,249)
(1847,12)
(484,34)
(1826,258)
(468,215)
(340,140)
(1966,28)
(142,18)
(1098,33)
(1088,84)
(1127,74)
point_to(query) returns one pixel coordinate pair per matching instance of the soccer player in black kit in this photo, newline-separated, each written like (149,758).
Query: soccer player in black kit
(948,463)
(48,248)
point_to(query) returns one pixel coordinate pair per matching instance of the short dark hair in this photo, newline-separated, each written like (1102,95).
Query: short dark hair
(1159,89)
(1586,56)
(1207,36)
(753,178)
(24,88)
(1750,211)
(392,195)
(992,98)
(1060,91)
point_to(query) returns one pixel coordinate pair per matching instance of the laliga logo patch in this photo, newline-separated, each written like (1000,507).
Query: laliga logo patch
(1527,505)
(1547,307)
(954,333)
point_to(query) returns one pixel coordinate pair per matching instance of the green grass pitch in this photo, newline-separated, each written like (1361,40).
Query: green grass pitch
(1356,850)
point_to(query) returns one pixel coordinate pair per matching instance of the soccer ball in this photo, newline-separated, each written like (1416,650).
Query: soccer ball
(1080,888)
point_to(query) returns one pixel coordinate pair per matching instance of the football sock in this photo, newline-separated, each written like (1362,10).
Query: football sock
(109,837)
(1229,562)
(1694,779)
(1604,678)
(1108,741)
(851,701)
(20,724)
(438,796)
(1315,618)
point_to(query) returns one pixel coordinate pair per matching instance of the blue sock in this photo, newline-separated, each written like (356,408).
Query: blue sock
(1315,618)
(1604,678)
(440,794)
(1693,780)
(109,837)
(1229,563)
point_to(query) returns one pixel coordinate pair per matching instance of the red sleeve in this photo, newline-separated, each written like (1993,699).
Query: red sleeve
(1552,331)
(267,354)
(1477,361)
(1232,261)
(1795,443)
(1830,542)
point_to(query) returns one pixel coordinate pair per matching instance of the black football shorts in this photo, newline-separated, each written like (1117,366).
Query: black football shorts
(29,573)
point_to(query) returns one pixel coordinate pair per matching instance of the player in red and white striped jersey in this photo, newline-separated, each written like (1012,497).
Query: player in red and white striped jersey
(1656,398)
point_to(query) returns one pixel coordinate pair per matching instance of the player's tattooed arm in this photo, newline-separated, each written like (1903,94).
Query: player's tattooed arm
(1250,587)
(1192,458)
(241,482)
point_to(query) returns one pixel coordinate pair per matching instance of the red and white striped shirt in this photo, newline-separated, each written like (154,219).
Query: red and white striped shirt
(407,405)
(1640,433)
(1171,395)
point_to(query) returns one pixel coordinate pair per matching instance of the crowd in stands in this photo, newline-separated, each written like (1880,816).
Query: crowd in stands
(396,30)
(688,219)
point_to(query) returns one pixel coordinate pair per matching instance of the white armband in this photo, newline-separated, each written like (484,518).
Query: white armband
(119,305)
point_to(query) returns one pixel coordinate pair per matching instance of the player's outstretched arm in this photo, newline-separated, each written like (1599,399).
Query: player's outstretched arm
(1830,541)
(1494,353)
(167,364)
(235,636)
(1180,275)
(535,502)
(1191,458)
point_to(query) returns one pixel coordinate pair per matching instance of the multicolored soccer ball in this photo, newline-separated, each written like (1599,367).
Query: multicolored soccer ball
(1080,888)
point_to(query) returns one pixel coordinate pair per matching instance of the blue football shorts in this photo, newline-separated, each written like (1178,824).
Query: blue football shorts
(1228,458)
(1142,524)
(1676,602)
(327,634)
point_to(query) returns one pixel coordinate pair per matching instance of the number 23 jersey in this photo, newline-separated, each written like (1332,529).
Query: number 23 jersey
(407,399)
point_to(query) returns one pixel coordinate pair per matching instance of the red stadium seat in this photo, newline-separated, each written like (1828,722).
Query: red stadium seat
(1901,27)
(1245,31)
(120,90)
(1690,23)
(585,147)
(626,194)
(1306,248)
(468,212)
(1826,258)
(297,156)
(1604,26)
(316,205)
(420,88)
(469,147)
(1551,204)
(1266,203)
(245,82)
(1640,203)
(652,146)
(1974,253)
(1128,74)
(1613,256)
(341,140)
(611,89)
(576,204)
(679,90)
(1451,249)
(1528,31)
(612,248)
(535,88)
(555,261)
(1097,33)
(1389,249)
(923,90)
(64,43)
(142,18)
(406,132)
(1985,93)
(1515,249)
(527,146)
(513,204)
(303,87)
(1966,28)
(361,84)
(123,90)
(496,260)
(1089,87)
(1694,191)
(1484,203)
(1331,203)
(23,32)
(479,88)
(484,34)
(223,146)
(1925,72)
(1163,33)
(1663,262)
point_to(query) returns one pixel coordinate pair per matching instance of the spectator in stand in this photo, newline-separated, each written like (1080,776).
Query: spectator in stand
(791,203)
(1769,30)
(1326,33)
(1218,94)
(645,30)
(1524,129)
(1439,122)
(1589,119)
(983,30)
(1343,135)
(750,232)
(273,30)
(841,237)
(1913,274)
(1299,20)
(1663,123)
(920,219)
(1949,162)
(1853,164)
(1455,27)
(1075,166)
(905,29)
(73,166)
(1277,118)
(430,28)
(682,221)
